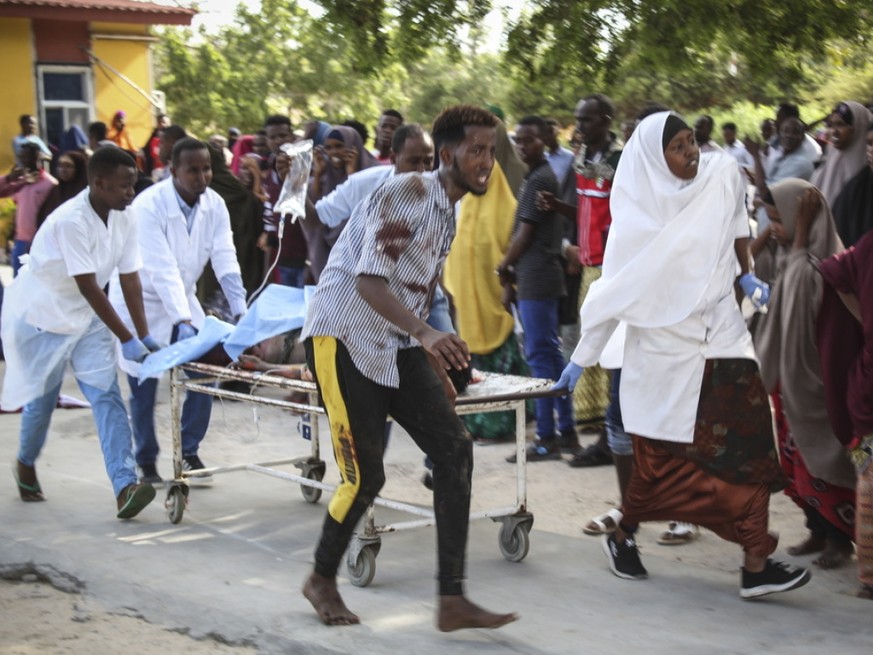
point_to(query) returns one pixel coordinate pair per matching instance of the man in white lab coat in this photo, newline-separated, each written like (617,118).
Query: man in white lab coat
(182,225)
(55,314)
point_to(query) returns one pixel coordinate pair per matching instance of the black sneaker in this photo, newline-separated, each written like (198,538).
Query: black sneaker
(539,451)
(150,475)
(427,480)
(568,442)
(592,455)
(624,559)
(190,465)
(776,577)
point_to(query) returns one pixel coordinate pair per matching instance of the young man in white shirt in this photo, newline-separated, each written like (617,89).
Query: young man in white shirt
(736,149)
(56,313)
(182,225)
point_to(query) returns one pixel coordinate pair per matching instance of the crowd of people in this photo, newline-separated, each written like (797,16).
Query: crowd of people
(704,302)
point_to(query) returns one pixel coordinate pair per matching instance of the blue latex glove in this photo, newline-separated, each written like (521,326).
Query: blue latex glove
(569,377)
(149,342)
(134,350)
(185,331)
(756,290)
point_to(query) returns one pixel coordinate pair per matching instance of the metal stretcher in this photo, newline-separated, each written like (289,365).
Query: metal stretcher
(493,393)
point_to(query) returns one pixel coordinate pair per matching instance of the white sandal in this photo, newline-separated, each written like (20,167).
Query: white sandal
(678,533)
(603,524)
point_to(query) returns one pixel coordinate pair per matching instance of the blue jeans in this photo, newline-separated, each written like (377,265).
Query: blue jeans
(542,350)
(439,317)
(196,411)
(619,441)
(113,430)
(292,276)
(19,248)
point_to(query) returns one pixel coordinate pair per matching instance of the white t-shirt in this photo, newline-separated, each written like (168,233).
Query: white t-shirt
(75,241)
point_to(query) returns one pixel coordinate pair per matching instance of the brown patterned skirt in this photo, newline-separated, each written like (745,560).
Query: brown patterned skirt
(723,480)
(733,436)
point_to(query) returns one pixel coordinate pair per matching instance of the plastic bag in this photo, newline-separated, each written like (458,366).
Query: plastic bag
(292,199)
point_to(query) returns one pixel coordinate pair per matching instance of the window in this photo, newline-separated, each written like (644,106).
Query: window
(65,99)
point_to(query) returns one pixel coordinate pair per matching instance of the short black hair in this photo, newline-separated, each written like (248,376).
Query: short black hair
(104,161)
(358,127)
(605,105)
(186,145)
(788,109)
(97,129)
(277,119)
(403,133)
(651,108)
(538,122)
(449,128)
(23,118)
(393,112)
(30,146)
(175,133)
(706,118)
(729,126)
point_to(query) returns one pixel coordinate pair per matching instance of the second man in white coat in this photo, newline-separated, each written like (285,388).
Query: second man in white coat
(182,224)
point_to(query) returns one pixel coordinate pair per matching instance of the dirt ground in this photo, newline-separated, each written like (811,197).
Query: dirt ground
(39,619)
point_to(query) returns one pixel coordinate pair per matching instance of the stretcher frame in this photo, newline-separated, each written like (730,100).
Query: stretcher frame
(494,393)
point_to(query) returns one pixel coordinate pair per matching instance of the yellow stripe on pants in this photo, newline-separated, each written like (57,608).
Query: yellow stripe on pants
(324,349)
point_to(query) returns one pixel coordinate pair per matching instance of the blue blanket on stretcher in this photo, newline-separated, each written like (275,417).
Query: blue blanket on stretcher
(277,310)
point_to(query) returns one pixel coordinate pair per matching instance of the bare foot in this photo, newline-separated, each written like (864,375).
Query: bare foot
(834,555)
(811,545)
(457,613)
(325,598)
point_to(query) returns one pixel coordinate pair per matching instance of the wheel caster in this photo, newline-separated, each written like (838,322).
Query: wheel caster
(312,494)
(175,503)
(514,542)
(363,568)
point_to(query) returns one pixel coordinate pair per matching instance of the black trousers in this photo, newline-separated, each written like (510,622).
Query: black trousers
(357,409)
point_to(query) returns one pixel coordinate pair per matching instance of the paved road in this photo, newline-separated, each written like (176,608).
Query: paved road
(234,566)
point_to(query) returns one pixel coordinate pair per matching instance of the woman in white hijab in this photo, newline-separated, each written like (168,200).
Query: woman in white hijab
(691,394)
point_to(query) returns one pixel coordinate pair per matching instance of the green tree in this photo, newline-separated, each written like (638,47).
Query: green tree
(663,42)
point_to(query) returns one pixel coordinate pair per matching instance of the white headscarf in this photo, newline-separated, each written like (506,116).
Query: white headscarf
(666,234)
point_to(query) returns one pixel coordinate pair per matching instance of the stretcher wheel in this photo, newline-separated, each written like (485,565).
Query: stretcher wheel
(514,542)
(363,569)
(175,504)
(312,494)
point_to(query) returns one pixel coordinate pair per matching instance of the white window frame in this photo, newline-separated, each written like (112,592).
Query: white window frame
(87,87)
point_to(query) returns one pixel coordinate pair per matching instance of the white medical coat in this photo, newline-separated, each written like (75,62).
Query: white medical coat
(44,313)
(173,259)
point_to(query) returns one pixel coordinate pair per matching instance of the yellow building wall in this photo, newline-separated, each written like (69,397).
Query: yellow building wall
(16,81)
(132,58)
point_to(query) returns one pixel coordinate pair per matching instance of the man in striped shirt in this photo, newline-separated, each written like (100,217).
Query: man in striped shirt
(372,354)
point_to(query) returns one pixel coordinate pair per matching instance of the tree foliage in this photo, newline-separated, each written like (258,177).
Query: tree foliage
(361,56)
(766,46)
